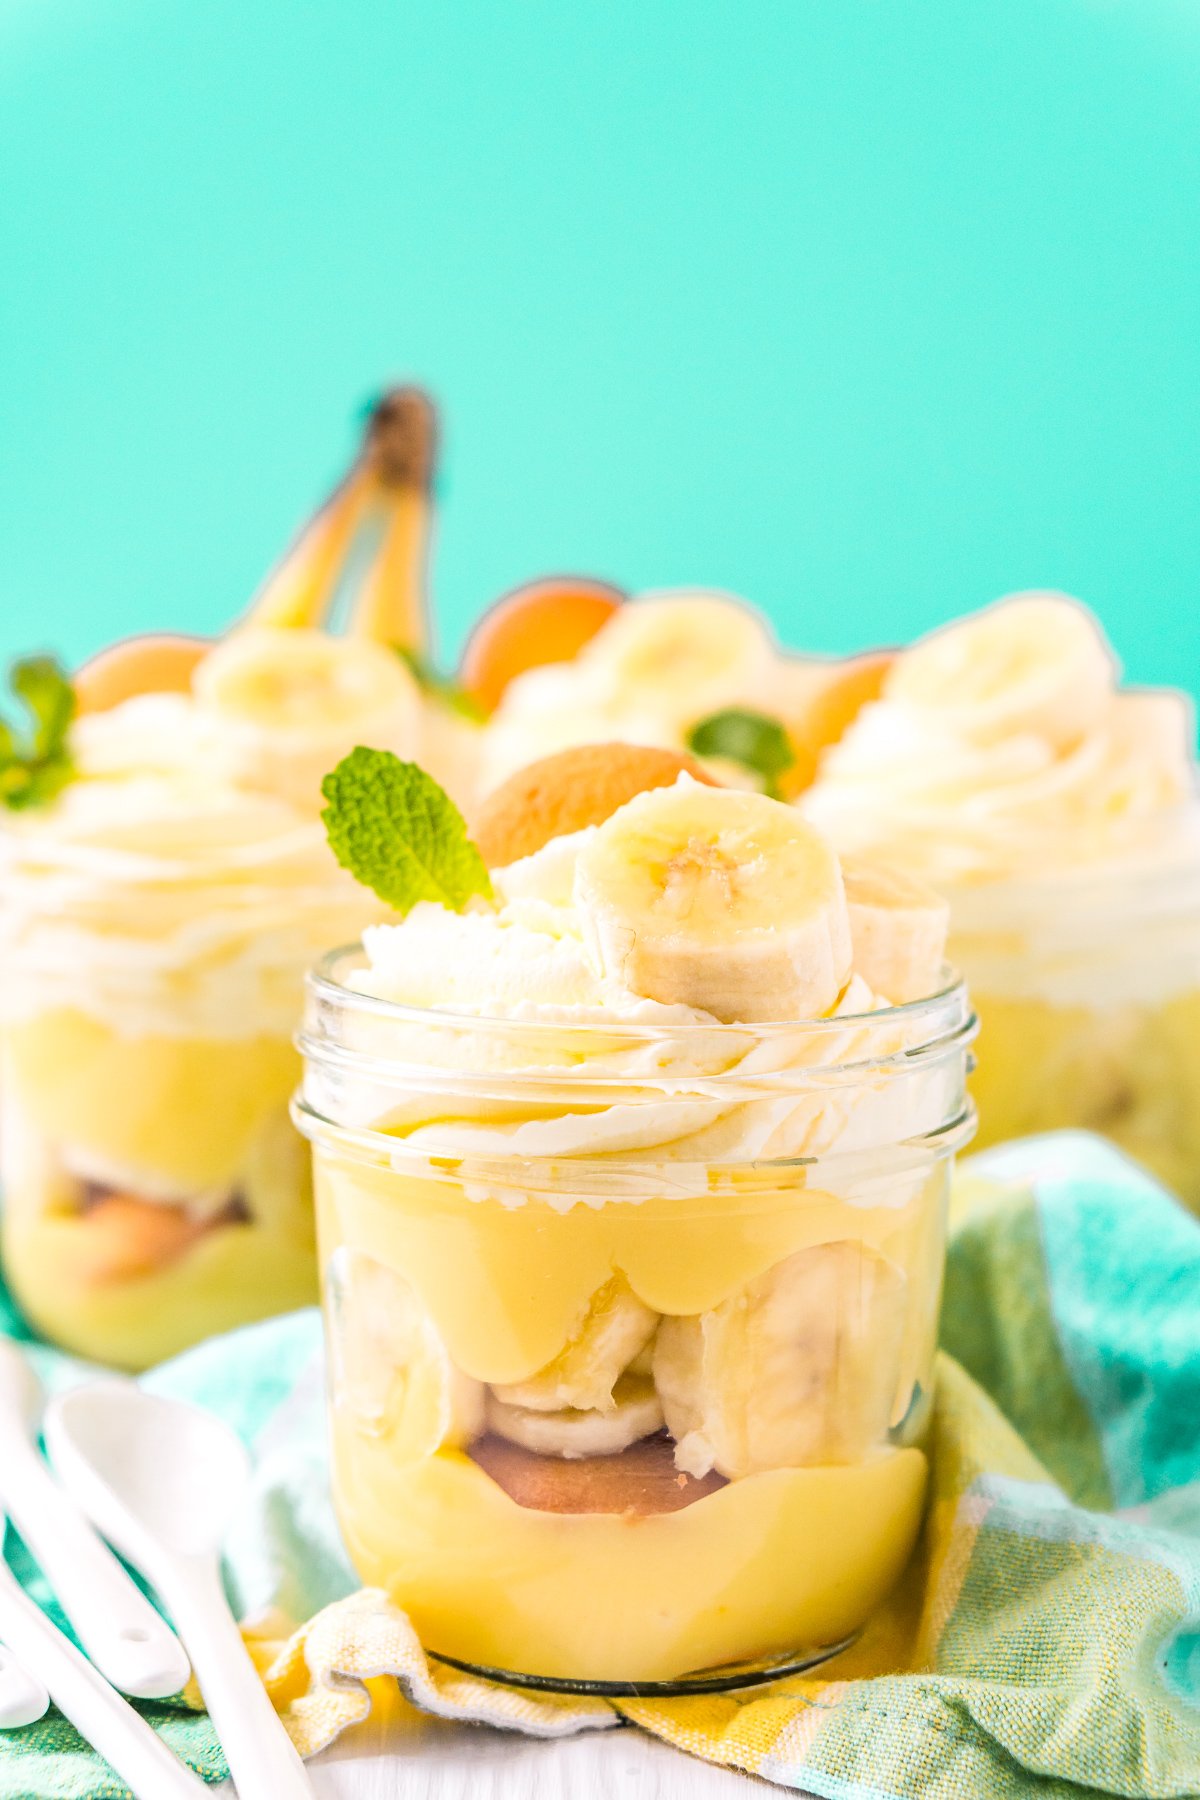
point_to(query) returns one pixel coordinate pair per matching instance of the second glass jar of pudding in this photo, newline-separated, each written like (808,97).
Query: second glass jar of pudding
(152,954)
(1058,812)
(1087,987)
(630,1328)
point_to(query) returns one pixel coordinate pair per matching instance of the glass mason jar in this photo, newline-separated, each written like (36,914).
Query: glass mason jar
(1087,987)
(630,1330)
(154,1189)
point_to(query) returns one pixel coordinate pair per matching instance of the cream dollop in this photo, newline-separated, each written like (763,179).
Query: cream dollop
(182,883)
(578,1065)
(661,664)
(1002,747)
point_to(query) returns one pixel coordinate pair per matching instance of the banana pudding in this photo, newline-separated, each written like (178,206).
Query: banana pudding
(1058,812)
(164,883)
(631,1160)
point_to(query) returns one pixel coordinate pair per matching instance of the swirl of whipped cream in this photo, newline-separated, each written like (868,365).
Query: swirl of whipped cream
(157,898)
(534,1053)
(182,883)
(663,662)
(1001,749)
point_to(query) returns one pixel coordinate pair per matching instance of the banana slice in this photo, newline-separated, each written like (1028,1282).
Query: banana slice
(290,702)
(898,930)
(1035,664)
(615,1328)
(680,656)
(634,1412)
(800,1367)
(716,899)
(390,1369)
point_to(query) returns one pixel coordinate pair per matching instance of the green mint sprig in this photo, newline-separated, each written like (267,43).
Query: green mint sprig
(753,739)
(35,762)
(399,833)
(441,687)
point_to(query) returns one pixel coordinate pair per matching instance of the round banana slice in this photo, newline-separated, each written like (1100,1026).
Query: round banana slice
(898,930)
(613,1331)
(634,1412)
(391,1372)
(716,899)
(798,1368)
(290,702)
(683,655)
(1034,664)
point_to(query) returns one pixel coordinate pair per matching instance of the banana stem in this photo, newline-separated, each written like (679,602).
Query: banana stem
(392,601)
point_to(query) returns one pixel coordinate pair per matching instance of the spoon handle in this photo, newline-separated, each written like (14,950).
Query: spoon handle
(23,1698)
(263,1761)
(128,1641)
(98,1713)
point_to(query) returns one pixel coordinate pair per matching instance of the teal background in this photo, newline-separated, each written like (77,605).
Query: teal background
(870,311)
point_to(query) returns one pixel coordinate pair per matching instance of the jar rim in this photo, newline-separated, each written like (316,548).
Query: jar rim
(602,1175)
(946,1015)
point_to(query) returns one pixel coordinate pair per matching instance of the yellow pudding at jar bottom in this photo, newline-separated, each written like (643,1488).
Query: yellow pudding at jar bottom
(630,1306)
(437,1300)
(138,1217)
(783,1559)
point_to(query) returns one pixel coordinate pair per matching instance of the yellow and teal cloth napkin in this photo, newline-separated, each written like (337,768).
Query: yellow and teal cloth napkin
(1045,1641)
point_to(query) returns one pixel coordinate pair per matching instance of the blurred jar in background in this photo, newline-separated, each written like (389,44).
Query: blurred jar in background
(156,919)
(1059,815)
(154,940)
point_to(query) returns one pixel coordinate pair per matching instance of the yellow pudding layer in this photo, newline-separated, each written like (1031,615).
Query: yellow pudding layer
(778,1560)
(232,1276)
(174,1129)
(182,1109)
(1130,1072)
(505,1286)
(785,1560)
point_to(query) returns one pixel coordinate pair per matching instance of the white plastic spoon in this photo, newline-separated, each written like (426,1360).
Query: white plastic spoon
(161,1480)
(96,1710)
(23,1698)
(128,1641)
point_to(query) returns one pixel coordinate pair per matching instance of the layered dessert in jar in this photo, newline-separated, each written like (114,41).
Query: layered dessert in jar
(164,882)
(631,1161)
(1004,763)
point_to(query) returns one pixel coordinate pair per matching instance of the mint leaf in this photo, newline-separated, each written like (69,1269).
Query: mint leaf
(431,681)
(399,833)
(754,739)
(35,763)
(49,699)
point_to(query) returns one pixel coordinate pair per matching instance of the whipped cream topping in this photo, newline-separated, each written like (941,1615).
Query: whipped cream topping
(182,883)
(534,1052)
(1056,811)
(162,905)
(664,662)
(988,770)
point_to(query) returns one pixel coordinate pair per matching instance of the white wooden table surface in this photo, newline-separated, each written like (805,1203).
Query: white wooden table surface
(411,1757)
